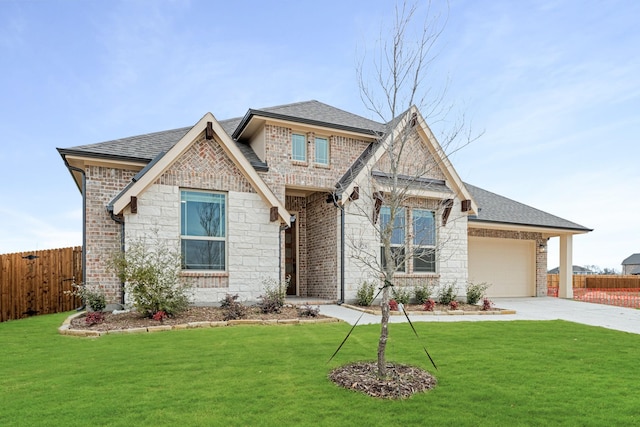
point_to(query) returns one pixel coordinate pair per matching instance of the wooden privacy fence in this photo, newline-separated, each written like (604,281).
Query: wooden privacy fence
(597,281)
(35,282)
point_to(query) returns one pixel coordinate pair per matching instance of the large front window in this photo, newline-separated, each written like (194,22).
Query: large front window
(421,245)
(203,230)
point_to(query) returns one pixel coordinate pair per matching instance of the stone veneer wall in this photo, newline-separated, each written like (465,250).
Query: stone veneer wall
(252,240)
(541,257)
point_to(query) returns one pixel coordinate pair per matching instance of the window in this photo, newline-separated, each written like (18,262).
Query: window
(424,241)
(298,147)
(322,150)
(397,237)
(203,230)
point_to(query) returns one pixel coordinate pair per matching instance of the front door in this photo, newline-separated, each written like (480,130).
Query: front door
(290,258)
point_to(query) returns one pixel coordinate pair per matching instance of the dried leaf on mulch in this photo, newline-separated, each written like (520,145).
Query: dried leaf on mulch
(401,382)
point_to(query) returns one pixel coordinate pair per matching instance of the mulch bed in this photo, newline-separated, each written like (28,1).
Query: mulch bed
(402,381)
(132,319)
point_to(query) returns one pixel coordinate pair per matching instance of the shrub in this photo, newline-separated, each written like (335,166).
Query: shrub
(393,305)
(232,308)
(429,305)
(159,316)
(273,298)
(94,318)
(453,305)
(151,270)
(422,293)
(401,295)
(365,293)
(487,304)
(446,294)
(307,310)
(96,301)
(475,292)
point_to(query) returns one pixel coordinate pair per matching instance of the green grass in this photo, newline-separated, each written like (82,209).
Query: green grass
(490,374)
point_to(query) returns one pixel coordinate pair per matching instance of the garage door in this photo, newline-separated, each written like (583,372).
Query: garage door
(507,264)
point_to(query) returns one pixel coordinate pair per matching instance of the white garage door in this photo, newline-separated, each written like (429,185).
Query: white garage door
(507,264)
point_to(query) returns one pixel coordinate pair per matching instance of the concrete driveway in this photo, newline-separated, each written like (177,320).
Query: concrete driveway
(544,308)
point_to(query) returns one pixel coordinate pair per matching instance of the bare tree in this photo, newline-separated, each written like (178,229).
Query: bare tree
(395,86)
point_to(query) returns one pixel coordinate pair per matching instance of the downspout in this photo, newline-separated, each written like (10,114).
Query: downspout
(119,220)
(335,203)
(84,220)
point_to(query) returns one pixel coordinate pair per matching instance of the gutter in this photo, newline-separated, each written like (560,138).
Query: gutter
(84,219)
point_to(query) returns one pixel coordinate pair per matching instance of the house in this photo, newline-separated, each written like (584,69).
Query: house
(577,270)
(288,191)
(631,264)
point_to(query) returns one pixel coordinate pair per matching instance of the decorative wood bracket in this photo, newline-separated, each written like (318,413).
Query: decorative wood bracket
(466,205)
(273,213)
(208,132)
(355,195)
(376,208)
(447,205)
(134,205)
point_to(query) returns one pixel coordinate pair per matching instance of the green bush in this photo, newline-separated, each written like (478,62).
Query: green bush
(273,298)
(151,270)
(96,301)
(365,293)
(447,293)
(475,292)
(422,293)
(401,295)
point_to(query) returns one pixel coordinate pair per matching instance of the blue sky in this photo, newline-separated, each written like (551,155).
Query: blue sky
(553,85)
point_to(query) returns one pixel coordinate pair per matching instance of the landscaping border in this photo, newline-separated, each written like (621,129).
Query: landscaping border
(493,311)
(65,328)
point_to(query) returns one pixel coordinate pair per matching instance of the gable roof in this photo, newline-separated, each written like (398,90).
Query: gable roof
(151,148)
(494,208)
(376,149)
(163,161)
(632,260)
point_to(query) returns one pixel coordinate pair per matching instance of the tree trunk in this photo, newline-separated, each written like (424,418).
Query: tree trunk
(384,332)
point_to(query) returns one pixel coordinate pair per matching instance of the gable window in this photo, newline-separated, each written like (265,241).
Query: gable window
(298,147)
(322,150)
(424,241)
(397,237)
(203,230)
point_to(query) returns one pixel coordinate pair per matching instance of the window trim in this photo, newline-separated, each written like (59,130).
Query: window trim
(315,150)
(304,147)
(207,238)
(402,268)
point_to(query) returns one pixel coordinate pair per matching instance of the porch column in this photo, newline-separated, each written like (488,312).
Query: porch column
(566,267)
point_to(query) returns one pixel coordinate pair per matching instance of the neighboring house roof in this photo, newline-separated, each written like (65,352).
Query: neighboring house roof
(576,270)
(632,260)
(494,208)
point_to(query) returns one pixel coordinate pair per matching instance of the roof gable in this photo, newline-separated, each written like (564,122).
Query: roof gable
(378,149)
(164,161)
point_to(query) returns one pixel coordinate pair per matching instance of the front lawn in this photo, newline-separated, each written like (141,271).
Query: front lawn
(490,373)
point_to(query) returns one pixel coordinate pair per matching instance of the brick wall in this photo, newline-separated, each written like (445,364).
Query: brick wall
(322,256)
(102,233)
